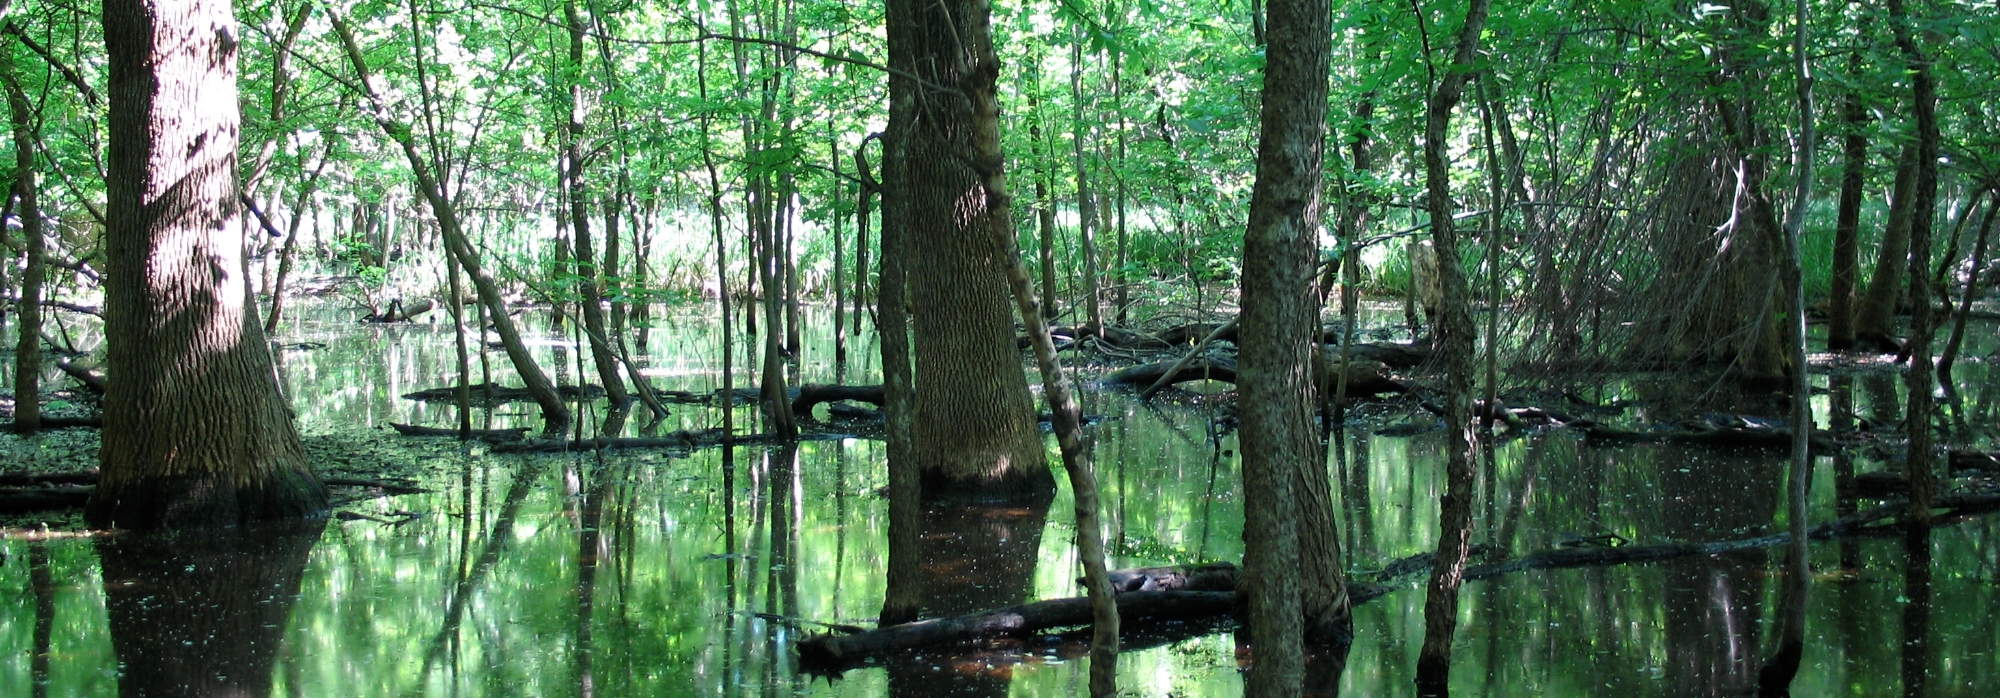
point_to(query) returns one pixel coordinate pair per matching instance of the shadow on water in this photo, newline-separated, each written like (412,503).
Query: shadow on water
(636,572)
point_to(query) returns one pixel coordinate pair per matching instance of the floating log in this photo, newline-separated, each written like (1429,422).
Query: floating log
(487,435)
(1745,436)
(398,312)
(490,393)
(824,653)
(811,395)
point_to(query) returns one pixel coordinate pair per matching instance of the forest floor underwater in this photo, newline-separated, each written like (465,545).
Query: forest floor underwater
(475,568)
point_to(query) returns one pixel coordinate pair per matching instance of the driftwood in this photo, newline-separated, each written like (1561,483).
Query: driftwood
(487,435)
(83,375)
(836,652)
(489,393)
(811,395)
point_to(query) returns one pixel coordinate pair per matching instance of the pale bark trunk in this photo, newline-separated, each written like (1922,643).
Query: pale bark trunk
(196,433)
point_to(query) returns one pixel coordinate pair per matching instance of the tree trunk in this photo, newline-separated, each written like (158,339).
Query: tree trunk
(1085,212)
(555,414)
(1921,213)
(1875,318)
(974,434)
(1847,224)
(1972,281)
(1045,207)
(590,301)
(28,328)
(302,210)
(1279,338)
(1454,332)
(195,430)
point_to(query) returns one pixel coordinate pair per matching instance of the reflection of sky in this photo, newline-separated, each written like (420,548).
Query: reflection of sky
(672,596)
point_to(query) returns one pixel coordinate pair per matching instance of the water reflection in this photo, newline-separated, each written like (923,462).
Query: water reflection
(202,613)
(641,573)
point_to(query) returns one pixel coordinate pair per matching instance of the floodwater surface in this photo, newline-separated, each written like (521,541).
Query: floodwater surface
(657,573)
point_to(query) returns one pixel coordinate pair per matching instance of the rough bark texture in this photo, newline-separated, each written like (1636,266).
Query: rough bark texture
(1279,336)
(1923,203)
(196,432)
(591,300)
(1454,332)
(974,429)
(230,593)
(28,308)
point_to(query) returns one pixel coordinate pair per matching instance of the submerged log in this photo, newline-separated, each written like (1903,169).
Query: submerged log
(26,492)
(812,394)
(487,435)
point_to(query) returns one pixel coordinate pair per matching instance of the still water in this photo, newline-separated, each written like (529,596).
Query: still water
(632,573)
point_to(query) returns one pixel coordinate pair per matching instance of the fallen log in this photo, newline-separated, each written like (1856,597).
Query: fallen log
(398,312)
(679,440)
(23,501)
(836,652)
(1974,460)
(1728,436)
(83,375)
(1214,576)
(387,487)
(1142,375)
(487,435)
(51,423)
(812,394)
(87,477)
(1395,355)
(491,393)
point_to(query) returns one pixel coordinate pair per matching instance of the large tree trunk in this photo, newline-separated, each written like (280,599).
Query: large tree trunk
(974,433)
(195,431)
(1454,332)
(28,328)
(1279,338)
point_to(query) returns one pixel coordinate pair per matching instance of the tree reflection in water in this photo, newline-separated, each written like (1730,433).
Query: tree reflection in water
(202,613)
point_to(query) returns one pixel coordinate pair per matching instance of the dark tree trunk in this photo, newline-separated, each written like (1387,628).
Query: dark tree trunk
(202,614)
(1922,207)
(1875,317)
(1847,223)
(974,432)
(1454,332)
(1279,338)
(28,307)
(590,301)
(195,431)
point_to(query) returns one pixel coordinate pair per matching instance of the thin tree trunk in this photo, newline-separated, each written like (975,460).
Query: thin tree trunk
(589,300)
(1951,345)
(1121,297)
(186,443)
(28,308)
(1775,677)
(1847,224)
(1922,207)
(301,209)
(869,190)
(555,414)
(839,256)
(1454,333)
(1045,207)
(1875,318)
(1086,213)
(727,395)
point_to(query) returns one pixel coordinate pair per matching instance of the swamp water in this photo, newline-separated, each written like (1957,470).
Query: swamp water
(644,573)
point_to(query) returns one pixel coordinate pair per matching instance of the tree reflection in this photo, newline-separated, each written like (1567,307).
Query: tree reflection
(203,613)
(969,557)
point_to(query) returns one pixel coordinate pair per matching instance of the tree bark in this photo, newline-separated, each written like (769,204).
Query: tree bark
(1454,331)
(1875,317)
(196,433)
(1923,204)
(28,307)
(1279,338)
(1085,212)
(974,432)
(590,301)
(1847,223)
